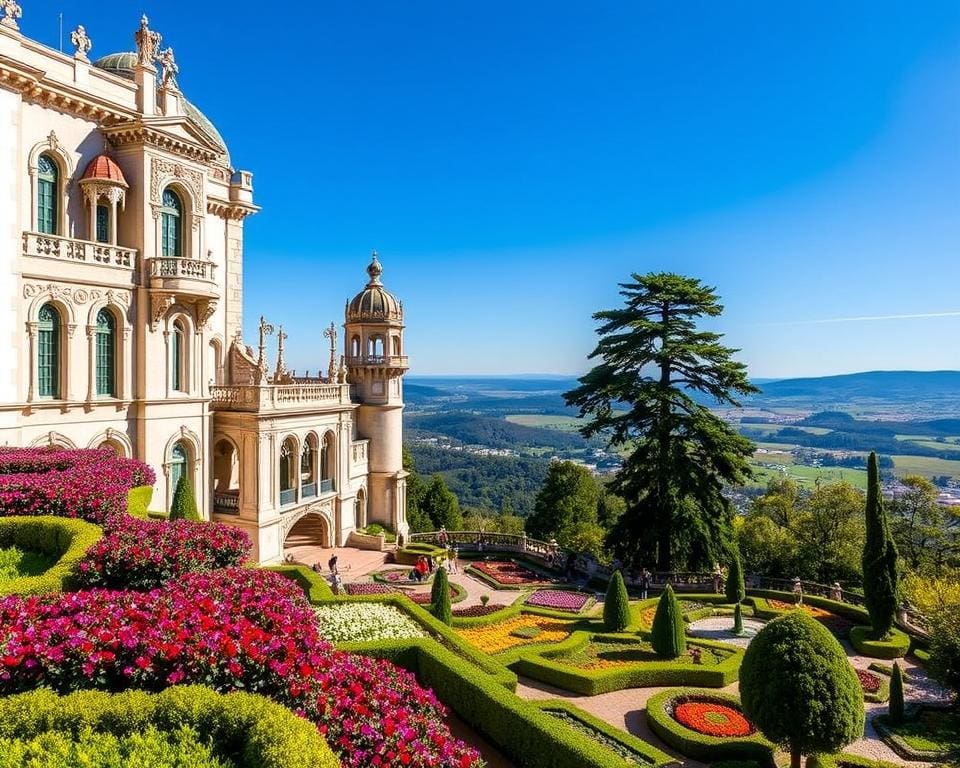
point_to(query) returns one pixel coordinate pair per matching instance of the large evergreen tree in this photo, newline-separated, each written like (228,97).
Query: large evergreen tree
(655,363)
(441,505)
(418,520)
(879,557)
(569,497)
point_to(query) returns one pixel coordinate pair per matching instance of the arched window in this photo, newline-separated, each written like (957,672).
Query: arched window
(103,223)
(171,224)
(178,364)
(48,352)
(355,346)
(106,354)
(328,459)
(288,469)
(308,468)
(396,346)
(178,466)
(48,185)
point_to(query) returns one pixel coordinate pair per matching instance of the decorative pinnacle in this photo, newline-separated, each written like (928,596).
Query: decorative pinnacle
(375,270)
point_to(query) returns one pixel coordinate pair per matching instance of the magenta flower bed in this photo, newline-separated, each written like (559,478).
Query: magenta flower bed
(233,629)
(369,589)
(143,554)
(91,485)
(558,599)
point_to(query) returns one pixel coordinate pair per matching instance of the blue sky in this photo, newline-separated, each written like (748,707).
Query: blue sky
(512,162)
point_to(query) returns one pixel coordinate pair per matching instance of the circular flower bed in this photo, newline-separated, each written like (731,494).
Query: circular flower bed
(559,600)
(712,718)
(868,681)
(399,576)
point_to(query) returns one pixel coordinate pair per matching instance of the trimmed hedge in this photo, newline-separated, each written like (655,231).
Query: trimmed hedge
(247,728)
(409,554)
(697,745)
(763,610)
(888,732)
(313,584)
(834,761)
(65,537)
(138,500)
(894,648)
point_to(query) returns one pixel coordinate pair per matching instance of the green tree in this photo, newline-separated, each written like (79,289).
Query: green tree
(798,688)
(510,524)
(879,557)
(766,547)
(896,695)
(610,509)
(927,534)
(654,360)
(616,605)
(569,496)
(184,505)
(587,538)
(441,506)
(440,597)
(417,519)
(735,590)
(668,636)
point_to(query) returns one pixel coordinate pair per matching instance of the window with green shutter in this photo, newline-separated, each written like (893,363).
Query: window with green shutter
(48,352)
(176,358)
(103,221)
(106,354)
(48,180)
(171,224)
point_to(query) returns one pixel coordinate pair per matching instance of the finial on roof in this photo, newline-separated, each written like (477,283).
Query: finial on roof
(148,43)
(375,269)
(81,42)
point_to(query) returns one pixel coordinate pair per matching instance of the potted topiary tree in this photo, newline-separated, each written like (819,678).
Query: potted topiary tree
(668,636)
(616,605)
(440,597)
(184,505)
(798,688)
(736,591)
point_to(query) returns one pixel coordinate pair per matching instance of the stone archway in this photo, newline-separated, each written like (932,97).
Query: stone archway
(311,530)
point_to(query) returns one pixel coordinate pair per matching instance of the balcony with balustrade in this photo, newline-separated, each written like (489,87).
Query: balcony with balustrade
(399,362)
(99,262)
(268,398)
(176,275)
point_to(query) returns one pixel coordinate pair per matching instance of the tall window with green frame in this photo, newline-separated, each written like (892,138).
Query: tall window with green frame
(106,354)
(176,358)
(103,221)
(48,352)
(171,224)
(48,182)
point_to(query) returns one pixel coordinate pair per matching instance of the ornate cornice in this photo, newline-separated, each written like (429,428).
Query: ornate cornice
(138,133)
(230,210)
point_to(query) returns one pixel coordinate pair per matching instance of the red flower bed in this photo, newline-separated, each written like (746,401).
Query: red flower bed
(369,589)
(143,554)
(868,681)
(91,485)
(233,629)
(712,718)
(422,598)
(478,610)
(508,572)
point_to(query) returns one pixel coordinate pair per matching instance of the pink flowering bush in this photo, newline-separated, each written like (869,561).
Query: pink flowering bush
(143,554)
(558,599)
(89,484)
(231,629)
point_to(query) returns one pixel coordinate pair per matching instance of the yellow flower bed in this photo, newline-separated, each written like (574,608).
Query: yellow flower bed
(495,638)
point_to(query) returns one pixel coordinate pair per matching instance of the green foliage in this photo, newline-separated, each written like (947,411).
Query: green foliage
(138,500)
(184,505)
(926,533)
(845,760)
(668,635)
(798,688)
(248,729)
(697,745)
(16,563)
(682,455)
(568,497)
(738,620)
(418,520)
(879,558)
(313,584)
(441,506)
(440,597)
(409,554)
(735,589)
(59,539)
(896,695)
(616,605)
(893,646)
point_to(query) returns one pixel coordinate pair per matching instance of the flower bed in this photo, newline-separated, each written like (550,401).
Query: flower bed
(143,554)
(358,588)
(507,573)
(632,756)
(868,681)
(423,597)
(611,654)
(364,622)
(237,628)
(711,718)
(478,610)
(838,625)
(87,484)
(494,638)
(400,576)
(559,600)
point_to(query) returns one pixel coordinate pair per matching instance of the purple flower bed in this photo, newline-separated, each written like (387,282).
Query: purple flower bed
(91,485)
(144,554)
(558,600)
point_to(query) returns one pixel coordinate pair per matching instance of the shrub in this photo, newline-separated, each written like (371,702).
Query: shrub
(734,589)
(797,686)
(144,554)
(237,628)
(616,605)
(138,501)
(894,646)
(184,505)
(65,539)
(440,597)
(896,695)
(248,729)
(90,485)
(668,636)
(313,584)
(879,558)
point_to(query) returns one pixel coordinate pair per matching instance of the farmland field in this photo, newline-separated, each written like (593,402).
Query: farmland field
(772,429)
(804,476)
(925,465)
(546,421)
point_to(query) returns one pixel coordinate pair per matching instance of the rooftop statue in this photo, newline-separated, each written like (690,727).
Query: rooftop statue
(148,43)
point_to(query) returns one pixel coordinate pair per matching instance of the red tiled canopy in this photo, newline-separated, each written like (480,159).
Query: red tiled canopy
(105,169)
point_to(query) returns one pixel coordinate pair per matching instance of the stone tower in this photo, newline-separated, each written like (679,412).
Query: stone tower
(376,364)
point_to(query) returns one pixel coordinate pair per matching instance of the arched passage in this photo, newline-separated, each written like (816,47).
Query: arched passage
(311,530)
(226,477)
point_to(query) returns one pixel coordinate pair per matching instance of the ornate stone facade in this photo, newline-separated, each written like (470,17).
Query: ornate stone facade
(129,225)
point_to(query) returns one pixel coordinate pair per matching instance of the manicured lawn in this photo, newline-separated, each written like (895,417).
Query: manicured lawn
(607,654)
(933,731)
(16,562)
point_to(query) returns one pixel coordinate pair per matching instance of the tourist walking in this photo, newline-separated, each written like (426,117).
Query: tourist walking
(798,589)
(644,583)
(332,563)
(442,537)
(452,559)
(717,579)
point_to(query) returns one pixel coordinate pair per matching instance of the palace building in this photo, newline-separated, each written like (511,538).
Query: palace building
(121,277)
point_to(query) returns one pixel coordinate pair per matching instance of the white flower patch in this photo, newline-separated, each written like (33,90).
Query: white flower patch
(354,622)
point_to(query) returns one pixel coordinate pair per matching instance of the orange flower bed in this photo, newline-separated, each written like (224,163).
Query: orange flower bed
(498,637)
(712,718)
(839,625)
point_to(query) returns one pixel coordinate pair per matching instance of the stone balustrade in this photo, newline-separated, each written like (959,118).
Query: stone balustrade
(71,249)
(278,397)
(387,361)
(174,267)
(359,451)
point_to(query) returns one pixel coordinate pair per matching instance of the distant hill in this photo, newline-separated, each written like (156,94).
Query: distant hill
(489,431)
(872,385)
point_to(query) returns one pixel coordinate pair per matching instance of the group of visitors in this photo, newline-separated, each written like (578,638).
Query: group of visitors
(336,583)
(422,569)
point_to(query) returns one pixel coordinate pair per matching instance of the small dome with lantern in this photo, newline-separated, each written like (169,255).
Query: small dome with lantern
(374,304)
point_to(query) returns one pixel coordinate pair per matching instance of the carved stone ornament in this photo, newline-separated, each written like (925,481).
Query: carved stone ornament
(168,62)
(205,311)
(81,42)
(11,12)
(163,171)
(148,43)
(159,304)
(63,292)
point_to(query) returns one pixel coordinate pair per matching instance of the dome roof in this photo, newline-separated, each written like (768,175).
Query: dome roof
(123,64)
(374,303)
(103,168)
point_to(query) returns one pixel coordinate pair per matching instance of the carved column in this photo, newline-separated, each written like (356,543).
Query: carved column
(33,384)
(91,362)
(125,365)
(166,358)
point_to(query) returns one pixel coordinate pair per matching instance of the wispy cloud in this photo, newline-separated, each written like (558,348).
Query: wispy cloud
(867,318)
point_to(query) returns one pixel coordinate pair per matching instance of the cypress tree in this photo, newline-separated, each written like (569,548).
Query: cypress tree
(879,557)
(616,605)
(184,505)
(896,695)
(737,620)
(735,590)
(669,636)
(440,597)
